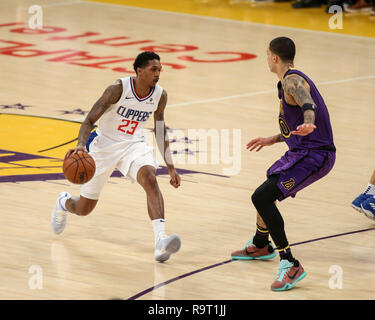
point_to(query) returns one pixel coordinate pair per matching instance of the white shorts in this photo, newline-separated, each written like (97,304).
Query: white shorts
(127,157)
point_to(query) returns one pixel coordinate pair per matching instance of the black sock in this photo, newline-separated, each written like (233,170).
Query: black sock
(264,198)
(261,237)
(286,254)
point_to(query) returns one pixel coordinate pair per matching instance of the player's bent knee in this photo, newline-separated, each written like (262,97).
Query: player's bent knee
(147,179)
(264,195)
(84,211)
(257,198)
(85,206)
(262,201)
(151,183)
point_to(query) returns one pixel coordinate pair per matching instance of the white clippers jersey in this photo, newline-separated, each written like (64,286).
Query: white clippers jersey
(125,120)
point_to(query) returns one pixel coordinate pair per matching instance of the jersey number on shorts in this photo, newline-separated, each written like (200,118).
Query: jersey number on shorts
(124,127)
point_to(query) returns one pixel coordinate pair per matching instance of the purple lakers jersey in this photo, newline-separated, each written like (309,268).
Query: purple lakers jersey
(291,117)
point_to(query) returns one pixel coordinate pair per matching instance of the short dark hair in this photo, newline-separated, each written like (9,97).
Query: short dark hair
(284,48)
(143,58)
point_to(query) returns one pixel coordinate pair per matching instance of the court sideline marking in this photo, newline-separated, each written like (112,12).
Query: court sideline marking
(162,284)
(204,17)
(234,21)
(51,5)
(248,94)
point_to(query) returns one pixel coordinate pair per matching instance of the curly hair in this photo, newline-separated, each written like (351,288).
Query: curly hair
(143,58)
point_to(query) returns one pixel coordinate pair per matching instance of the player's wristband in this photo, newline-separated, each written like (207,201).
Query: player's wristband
(308,106)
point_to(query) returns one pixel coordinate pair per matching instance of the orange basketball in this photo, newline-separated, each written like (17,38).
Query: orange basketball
(79,168)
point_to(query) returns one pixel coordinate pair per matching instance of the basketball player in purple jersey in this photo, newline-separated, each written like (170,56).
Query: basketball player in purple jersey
(306,129)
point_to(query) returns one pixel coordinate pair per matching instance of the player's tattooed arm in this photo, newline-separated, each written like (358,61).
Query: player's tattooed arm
(260,142)
(297,89)
(110,96)
(279,138)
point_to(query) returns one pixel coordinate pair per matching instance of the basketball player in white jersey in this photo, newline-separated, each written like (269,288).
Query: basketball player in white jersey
(119,143)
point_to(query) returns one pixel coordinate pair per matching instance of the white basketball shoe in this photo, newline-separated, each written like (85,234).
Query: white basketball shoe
(368,207)
(58,215)
(165,246)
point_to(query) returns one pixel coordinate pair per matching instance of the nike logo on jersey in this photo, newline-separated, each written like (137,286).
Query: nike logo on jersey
(129,97)
(132,114)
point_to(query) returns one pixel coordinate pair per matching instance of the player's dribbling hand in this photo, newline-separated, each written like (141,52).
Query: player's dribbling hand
(304,129)
(259,143)
(75,150)
(175,178)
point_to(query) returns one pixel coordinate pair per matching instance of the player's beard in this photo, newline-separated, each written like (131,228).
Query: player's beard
(154,82)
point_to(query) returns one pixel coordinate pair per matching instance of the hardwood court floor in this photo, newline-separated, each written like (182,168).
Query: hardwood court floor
(52,79)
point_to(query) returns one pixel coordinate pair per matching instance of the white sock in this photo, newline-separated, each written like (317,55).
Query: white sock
(159,228)
(370,189)
(63,201)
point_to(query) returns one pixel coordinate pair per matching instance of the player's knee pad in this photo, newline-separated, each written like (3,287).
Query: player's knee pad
(266,194)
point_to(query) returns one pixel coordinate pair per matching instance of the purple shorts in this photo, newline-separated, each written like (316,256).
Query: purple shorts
(300,168)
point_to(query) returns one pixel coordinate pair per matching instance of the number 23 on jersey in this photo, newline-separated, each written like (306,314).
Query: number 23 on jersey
(128,127)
